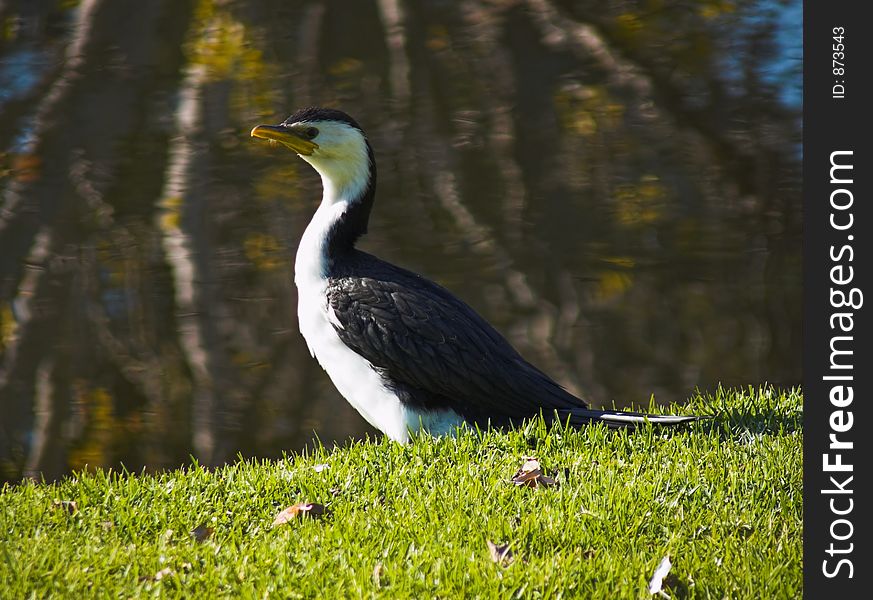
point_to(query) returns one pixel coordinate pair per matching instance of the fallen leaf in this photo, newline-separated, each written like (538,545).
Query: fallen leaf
(656,583)
(527,478)
(531,475)
(68,505)
(500,553)
(201,533)
(300,510)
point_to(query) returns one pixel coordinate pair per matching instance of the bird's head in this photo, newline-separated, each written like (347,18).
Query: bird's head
(333,143)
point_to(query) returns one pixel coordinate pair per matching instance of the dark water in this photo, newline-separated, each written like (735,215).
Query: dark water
(614,186)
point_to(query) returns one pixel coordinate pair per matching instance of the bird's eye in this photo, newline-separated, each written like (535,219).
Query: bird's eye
(311,132)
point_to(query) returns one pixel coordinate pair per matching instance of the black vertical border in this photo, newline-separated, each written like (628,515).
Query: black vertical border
(832,124)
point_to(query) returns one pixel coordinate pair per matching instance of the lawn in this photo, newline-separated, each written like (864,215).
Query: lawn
(722,499)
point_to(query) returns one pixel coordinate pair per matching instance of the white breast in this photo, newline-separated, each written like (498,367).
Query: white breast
(352,375)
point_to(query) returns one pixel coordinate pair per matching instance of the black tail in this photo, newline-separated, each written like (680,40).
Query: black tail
(618,419)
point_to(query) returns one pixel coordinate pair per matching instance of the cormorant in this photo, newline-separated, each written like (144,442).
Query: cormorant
(403,351)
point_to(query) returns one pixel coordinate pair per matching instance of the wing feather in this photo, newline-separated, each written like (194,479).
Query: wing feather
(436,347)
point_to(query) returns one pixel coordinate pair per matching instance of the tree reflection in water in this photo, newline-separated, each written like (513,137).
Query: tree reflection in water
(615,187)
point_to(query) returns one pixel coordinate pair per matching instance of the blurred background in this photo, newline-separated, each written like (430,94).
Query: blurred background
(614,185)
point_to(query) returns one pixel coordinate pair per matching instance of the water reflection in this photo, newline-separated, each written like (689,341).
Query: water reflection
(616,189)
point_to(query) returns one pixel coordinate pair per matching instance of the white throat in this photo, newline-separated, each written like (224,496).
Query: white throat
(343,163)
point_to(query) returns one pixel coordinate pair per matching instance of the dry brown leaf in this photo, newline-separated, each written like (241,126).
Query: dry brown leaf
(528,478)
(300,510)
(531,475)
(202,533)
(68,505)
(500,553)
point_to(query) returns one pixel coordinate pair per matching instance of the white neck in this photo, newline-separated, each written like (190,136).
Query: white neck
(343,182)
(310,267)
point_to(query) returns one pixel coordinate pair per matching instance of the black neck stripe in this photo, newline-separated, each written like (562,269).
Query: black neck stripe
(352,224)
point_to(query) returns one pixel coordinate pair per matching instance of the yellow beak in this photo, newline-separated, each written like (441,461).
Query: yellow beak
(287,136)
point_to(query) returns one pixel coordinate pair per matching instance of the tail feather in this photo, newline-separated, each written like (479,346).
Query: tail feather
(622,419)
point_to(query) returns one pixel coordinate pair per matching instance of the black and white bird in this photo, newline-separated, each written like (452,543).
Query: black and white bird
(406,353)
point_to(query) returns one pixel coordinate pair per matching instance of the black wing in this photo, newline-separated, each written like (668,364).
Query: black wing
(434,348)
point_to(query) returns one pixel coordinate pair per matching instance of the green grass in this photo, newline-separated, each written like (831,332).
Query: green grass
(723,499)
